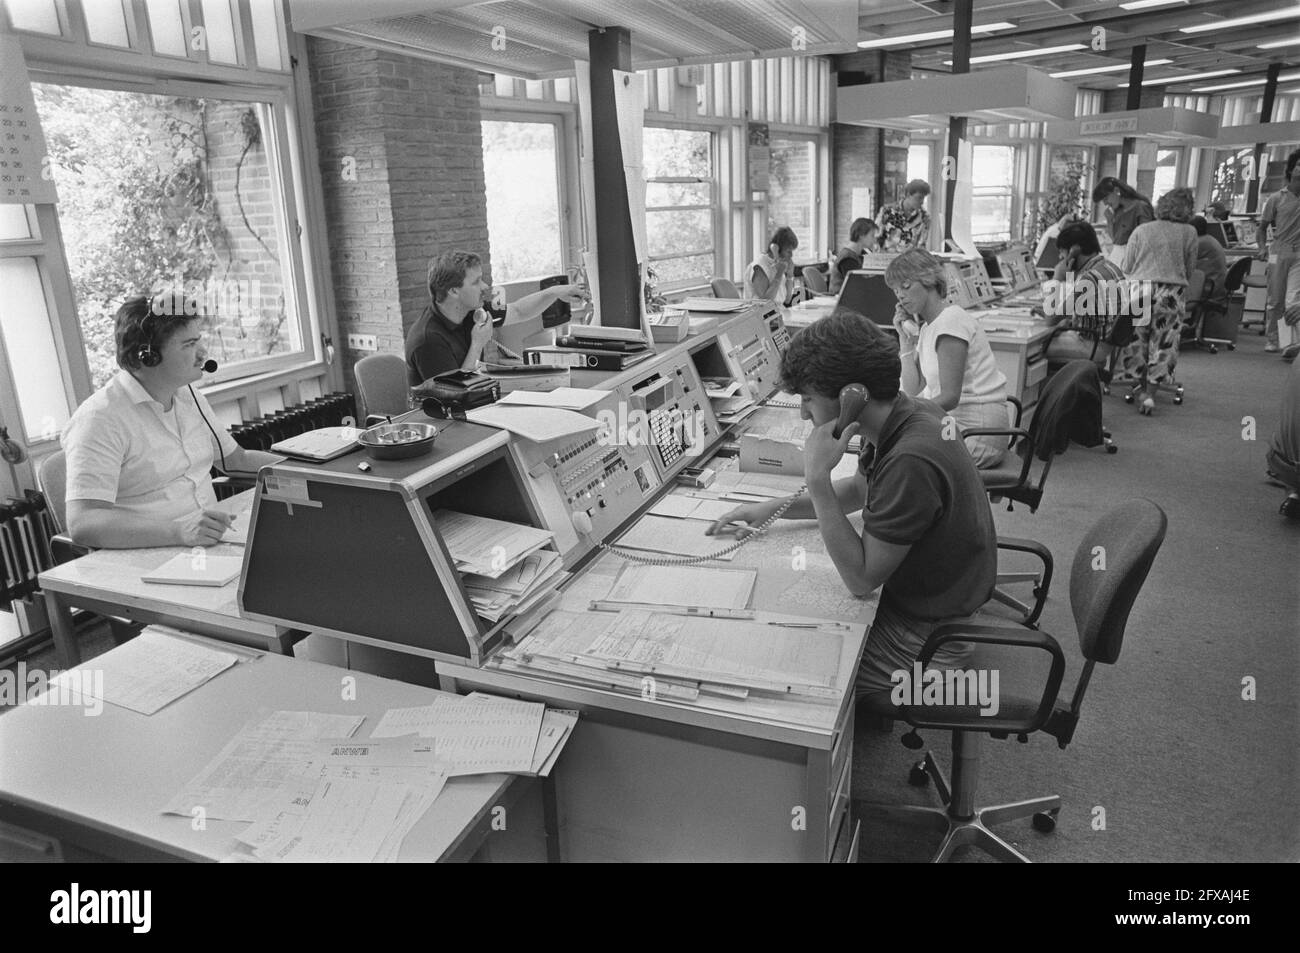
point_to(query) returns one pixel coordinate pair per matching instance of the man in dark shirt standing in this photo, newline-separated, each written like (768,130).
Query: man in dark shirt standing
(929,539)
(455,331)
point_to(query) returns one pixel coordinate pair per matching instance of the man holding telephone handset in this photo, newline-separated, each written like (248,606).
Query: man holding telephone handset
(455,330)
(928,535)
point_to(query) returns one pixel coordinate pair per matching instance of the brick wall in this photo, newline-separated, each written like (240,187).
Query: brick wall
(859,156)
(402,166)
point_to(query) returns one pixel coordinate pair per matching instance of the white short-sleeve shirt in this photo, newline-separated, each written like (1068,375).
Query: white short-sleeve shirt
(982,382)
(123,448)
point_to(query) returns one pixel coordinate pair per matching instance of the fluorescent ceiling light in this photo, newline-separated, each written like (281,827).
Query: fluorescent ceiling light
(1278,44)
(1146,4)
(1292,13)
(1103,69)
(1284,78)
(1171,80)
(926,37)
(1022,54)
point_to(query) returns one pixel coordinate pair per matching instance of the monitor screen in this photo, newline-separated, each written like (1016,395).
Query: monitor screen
(1230,233)
(1050,256)
(868,295)
(559,312)
(1216,231)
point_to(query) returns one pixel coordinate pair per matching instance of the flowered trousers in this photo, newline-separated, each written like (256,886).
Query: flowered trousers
(1152,355)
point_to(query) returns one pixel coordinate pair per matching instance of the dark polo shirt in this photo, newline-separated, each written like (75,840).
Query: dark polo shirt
(434,345)
(924,491)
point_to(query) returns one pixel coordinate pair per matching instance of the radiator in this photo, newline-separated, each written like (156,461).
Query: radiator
(25,531)
(327,411)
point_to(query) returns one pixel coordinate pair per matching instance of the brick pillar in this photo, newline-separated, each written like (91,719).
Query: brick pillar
(401,157)
(859,156)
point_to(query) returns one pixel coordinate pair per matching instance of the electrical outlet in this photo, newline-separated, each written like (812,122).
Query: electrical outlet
(363,342)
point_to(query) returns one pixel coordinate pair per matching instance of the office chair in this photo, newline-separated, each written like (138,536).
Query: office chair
(52,481)
(1129,536)
(1210,307)
(814,280)
(724,288)
(1069,409)
(382,390)
(1239,277)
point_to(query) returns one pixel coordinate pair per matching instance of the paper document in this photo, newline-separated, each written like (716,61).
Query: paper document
(155,669)
(684,586)
(538,424)
(565,398)
(480,735)
(340,821)
(237,532)
(714,305)
(516,587)
(663,534)
(196,569)
(486,546)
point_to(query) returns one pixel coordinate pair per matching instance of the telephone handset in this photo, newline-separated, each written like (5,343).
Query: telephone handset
(853,398)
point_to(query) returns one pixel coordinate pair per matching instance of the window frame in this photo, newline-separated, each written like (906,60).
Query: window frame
(713,207)
(1011,190)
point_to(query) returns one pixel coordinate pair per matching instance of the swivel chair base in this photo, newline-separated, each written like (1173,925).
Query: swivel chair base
(965,824)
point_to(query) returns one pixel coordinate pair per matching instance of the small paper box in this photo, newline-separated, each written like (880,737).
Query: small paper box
(669,326)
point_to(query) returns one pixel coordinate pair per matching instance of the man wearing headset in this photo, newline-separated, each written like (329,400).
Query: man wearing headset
(140,449)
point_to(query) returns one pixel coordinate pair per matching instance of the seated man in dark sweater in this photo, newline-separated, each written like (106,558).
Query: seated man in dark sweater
(455,331)
(929,539)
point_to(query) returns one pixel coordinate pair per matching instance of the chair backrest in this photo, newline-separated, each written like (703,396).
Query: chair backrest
(1237,273)
(52,480)
(1044,440)
(381,385)
(814,279)
(724,288)
(1110,566)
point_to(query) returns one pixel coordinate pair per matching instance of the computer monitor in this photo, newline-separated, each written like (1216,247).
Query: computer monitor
(1230,233)
(1048,259)
(1219,233)
(866,293)
(559,312)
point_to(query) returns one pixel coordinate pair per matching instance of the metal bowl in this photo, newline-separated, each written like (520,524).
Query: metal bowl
(398,441)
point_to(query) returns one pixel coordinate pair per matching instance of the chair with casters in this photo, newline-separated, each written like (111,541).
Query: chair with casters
(724,288)
(1200,290)
(52,480)
(1130,536)
(382,390)
(1240,278)
(1069,410)
(814,280)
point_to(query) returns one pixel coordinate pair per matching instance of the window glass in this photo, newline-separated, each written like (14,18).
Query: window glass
(106,22)
(520,169)
(918,161)
(792,191)
(13,223)
(1166,172)
(38,16)
(993,178)
(220,28)
(679,203)
(159,192)
(266,34)
(166,26)
(33,357)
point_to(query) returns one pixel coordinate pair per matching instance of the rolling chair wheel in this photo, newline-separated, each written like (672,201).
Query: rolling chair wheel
(913,741)
(1232,347)
(1128,398)
(917,777)
(1105,389)
(1178,399)
(1214,349)
(1045,821)
(1112,449)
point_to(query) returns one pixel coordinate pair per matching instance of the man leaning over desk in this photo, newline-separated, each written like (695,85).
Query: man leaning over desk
(455,332)
(140,450)
(929,538)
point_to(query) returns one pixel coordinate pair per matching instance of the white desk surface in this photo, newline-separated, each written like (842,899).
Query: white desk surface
(113,575)
(783,593)
(114,772)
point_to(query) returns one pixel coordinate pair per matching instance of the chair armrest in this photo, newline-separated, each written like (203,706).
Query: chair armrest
(1017,433)
(1034,548)
(994,635)
(63,549)
(1020,409)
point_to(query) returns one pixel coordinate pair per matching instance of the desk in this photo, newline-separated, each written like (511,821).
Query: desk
(108,582)
(97,784)
(764,779)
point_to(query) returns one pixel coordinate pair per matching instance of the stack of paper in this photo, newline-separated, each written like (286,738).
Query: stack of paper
(517,589)
(484,734)
(484,546)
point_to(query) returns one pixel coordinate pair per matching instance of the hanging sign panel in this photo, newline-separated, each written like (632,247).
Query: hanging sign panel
(25,177)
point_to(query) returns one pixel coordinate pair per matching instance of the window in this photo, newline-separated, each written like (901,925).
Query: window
(175,191)
(792,192)
(521,171)
(679,205)
(993,180)
(1166,172)
(919,157)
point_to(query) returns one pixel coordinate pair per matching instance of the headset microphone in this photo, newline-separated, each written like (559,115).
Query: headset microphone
(209,367)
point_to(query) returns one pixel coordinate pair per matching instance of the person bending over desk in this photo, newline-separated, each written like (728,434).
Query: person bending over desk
(455,331)
(141,448)
(928,528)
(946,357)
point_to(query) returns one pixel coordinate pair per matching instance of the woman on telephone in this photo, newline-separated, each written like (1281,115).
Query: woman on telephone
(945,355)
(769,276)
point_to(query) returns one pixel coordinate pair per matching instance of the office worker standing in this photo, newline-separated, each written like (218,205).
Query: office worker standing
(1126,209)
(455,331)
(906,224)
(928,536)
(139,450)
(1282,211)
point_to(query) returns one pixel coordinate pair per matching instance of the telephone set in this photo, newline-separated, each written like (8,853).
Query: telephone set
(853,398)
